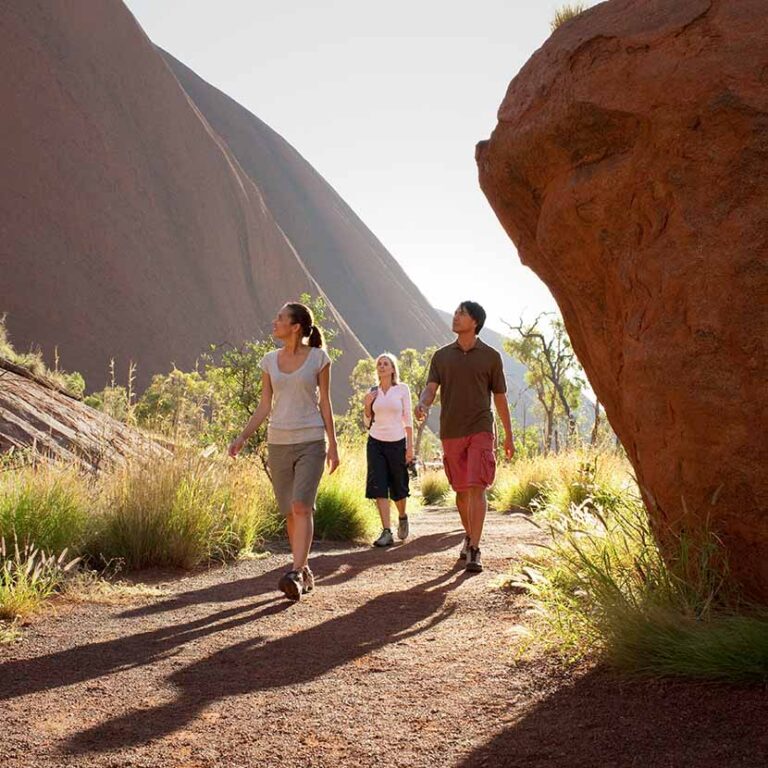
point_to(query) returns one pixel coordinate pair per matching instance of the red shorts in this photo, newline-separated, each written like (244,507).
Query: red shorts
(469,461)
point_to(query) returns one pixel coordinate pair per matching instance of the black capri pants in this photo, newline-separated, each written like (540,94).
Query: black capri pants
(387,471)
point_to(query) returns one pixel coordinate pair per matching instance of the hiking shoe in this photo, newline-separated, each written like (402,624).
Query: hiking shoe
(473,560)
(402,528)
(464,549)
(309,579)
(385,540)
(291,585)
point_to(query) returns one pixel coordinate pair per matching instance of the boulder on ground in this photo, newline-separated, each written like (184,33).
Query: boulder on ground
(629,167)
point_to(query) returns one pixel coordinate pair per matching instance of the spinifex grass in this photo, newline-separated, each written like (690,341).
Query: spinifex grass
(46,504)
(182,512)
(27,577)
(342,511)
(555,482)
(567,12)
(434,488)
(602,587)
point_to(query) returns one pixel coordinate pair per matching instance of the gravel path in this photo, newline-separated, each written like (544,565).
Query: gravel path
(398,659)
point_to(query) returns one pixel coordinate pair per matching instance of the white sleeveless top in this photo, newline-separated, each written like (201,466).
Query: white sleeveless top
(295,415)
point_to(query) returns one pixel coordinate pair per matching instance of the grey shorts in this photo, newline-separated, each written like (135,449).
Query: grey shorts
(296,471)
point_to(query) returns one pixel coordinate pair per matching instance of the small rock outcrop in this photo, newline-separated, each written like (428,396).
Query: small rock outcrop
(629,167)
(35,415)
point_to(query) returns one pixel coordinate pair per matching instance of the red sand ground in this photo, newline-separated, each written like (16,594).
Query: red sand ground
(399,659)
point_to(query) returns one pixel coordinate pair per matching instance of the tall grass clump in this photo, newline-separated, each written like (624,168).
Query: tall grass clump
(342,512)
(565,13)
(181,512)
(557,481)
(49,505)
(602,587)
(434,488)
(27,577)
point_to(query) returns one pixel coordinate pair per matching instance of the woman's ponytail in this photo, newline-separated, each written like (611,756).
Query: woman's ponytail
(302,315)
(316,337)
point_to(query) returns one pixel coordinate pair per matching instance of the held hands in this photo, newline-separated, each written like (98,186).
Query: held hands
(409,454)
(236,446)
(420,412)
(332,459)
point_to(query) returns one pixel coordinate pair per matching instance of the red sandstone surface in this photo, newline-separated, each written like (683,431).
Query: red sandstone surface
(629,167)
(129,227)
(365,283)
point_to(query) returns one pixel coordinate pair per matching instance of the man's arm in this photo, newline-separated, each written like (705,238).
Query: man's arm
(427,398)
(502,408)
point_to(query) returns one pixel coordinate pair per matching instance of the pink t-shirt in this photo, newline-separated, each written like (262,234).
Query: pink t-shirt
(392,413)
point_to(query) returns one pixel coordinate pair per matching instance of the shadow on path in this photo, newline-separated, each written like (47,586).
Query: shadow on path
(604,721)
(254,665)
(87,662)
(329,569)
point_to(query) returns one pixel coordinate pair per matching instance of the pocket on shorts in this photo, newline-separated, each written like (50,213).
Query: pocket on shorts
(487,467)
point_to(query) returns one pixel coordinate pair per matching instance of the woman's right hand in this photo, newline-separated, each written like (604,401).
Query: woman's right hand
(236,446)
(369,398)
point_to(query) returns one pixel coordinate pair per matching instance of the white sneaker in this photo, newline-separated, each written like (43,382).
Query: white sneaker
(385,540)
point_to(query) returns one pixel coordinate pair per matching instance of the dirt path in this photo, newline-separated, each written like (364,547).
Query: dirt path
(399,659)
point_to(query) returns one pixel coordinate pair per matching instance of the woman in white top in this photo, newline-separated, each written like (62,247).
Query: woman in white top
(296,381)
(390,446)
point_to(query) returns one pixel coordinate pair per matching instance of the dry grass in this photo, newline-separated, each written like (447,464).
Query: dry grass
(566,13)
(434,487)
(91,587)
(28,576)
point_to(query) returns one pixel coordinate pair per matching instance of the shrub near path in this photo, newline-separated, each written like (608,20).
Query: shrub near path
(398,659)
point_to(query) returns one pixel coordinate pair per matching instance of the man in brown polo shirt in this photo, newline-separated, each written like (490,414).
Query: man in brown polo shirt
(468,373)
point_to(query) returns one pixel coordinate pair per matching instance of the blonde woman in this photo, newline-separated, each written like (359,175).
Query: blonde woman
(390,446)
(296,382)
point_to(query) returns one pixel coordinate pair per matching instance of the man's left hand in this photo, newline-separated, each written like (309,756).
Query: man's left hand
(509,446)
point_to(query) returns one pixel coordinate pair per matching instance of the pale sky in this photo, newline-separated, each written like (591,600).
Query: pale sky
(386,101)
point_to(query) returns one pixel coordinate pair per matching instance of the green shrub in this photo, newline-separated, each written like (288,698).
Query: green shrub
(342,512)
(46,504)
(434,488)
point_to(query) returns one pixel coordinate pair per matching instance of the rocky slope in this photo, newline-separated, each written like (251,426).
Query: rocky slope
(35,414)
(365,283)
(130,227)
(628,166)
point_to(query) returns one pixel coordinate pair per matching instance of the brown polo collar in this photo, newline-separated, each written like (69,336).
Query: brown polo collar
(478,342)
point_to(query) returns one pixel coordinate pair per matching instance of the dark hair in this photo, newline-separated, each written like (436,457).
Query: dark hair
(476,312)
(302,314)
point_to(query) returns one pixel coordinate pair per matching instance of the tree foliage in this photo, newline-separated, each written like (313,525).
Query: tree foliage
(413,365)
(554,373)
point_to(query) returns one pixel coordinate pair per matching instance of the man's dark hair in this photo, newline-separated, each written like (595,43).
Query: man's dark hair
(476,312)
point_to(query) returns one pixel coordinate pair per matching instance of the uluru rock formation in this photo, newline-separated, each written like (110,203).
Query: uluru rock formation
(129,227)
(365,283)
(629,166)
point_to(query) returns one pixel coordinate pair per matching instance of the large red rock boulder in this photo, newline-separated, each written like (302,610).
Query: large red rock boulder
(630,168)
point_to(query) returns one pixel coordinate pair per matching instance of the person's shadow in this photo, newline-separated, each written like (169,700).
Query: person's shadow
(256,597)
(330,568)
(255,665)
